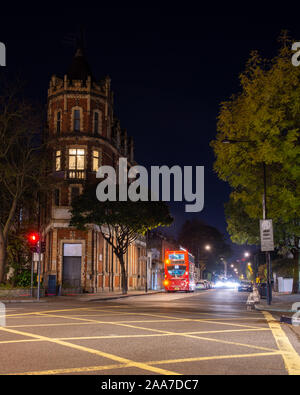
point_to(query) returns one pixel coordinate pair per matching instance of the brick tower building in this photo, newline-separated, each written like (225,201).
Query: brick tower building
(83,134)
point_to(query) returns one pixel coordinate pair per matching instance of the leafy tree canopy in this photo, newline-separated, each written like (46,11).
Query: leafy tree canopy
(120,222)
(265,116)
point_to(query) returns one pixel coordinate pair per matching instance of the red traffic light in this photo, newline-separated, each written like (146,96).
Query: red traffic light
(33,238)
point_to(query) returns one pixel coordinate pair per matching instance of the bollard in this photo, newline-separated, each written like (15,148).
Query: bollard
(250,302)
(2,314)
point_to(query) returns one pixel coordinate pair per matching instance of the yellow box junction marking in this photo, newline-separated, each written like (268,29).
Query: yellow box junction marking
(289,354)
(116,358)
(170,332)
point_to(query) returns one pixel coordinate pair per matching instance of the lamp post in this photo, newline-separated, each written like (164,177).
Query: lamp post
(225,266)
(207,248)
(267,253)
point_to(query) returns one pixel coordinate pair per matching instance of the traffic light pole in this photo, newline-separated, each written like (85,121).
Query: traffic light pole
(31,283)
(39,270)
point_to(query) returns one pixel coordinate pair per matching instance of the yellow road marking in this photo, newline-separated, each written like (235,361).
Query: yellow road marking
(90,322)
(72,370)
(47,311)
(216,357)
(133,336)
(116,358)
(204,338)
(183,360)
(111,322)
(290,356)
(173,333)
(181,319)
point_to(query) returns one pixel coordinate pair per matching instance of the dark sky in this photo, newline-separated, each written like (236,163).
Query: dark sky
(170,69)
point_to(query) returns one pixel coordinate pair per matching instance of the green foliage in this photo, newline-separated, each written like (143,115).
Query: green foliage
(135,217)
(119,222)
(23,279)
(284,267)
(266,116)
(18,258)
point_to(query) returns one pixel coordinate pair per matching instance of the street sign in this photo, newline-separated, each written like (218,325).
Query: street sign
(266,235)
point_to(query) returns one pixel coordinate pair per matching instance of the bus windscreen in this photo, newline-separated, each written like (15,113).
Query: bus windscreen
(176,270)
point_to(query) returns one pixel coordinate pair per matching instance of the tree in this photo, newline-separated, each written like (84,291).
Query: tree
(265,116)
(120,223)
(21,164)
(195,235)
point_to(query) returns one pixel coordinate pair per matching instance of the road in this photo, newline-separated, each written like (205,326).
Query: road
(208,332)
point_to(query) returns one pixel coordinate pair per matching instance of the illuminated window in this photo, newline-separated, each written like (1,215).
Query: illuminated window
(96,160)
(58,161)
(58,122)
(76,116)
(76,159)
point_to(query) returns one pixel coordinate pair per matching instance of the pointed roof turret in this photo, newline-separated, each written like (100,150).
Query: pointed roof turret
(79,68)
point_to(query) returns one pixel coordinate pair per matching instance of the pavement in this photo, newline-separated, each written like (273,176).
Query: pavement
(86,297)
(281,306)
(207,332)
(280,303)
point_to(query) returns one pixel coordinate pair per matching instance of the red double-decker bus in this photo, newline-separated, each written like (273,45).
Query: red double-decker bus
(179,271)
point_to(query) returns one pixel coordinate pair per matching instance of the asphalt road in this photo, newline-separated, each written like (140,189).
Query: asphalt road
(208,332)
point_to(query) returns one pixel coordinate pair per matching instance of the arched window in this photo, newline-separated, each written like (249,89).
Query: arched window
(58,122)
(97,122)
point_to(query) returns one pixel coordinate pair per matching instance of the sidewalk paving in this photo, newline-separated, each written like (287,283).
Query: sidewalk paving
(86,297)
(281,306)
(280,303)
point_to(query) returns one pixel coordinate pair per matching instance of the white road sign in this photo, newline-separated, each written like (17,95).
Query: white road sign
(266,235)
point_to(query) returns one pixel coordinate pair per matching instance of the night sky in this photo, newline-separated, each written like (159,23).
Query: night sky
(170,69)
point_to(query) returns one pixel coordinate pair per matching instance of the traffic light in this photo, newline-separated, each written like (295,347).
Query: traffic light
(33,239)
(43,247)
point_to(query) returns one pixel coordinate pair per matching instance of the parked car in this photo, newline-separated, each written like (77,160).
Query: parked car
(207,284)
(200,284)
(245,286)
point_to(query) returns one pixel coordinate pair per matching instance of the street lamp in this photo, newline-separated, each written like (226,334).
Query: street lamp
(208,247)
(268,258)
